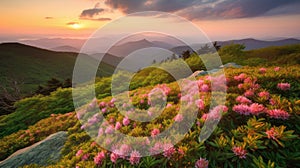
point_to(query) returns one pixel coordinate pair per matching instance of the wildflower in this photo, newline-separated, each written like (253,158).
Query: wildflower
(201,163)
(249,93)
(200,104)
(99,158)
(243,100)
(114,157)
(104,110)
(125,150)
(135,157)
(178,118)
(109,130)
(256,108)
(113,100)
(276,69)
(241,77)
(278,114)
(154,132)
(169,105)
(79,152)
(85,157)
(126,121)
(283,86)
(100,132)
(93,144)
(204,117)
(239,151)
(157,148)
(204,88)
(240,86)
(102,104)
(169,150)
(262,70)
(118,126)
(264,94)
(272,133)
(272,102)
(242,109)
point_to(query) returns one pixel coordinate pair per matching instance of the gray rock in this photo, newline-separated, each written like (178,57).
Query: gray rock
(231,65)
(42,153)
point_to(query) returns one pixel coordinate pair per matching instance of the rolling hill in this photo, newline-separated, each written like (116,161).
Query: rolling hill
(34,66)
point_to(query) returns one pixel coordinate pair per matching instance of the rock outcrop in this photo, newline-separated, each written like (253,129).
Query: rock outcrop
(41,153)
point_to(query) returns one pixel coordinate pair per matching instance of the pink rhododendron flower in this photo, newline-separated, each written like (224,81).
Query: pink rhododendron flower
(135,157)
(100,132)
(110,129)
(178,118)
(104,110)
(204,117)
(113,100)
(169,150)
(79,152)
(157,148)
(272,133)
(256,108)
(276,69)
(283,86)
(264,94)
(124,150)
(240,77)
(249,93)
(155,132)
(169,105)
(85,157)
(102,104)
(272,102)
(204,88)
(242,109)
(278,114)
(239,151)
(243,100)
(200,104)
(240,86)
(126,121)
(201,163)
(118,125)
(99,158)
(262,70)
(114,157)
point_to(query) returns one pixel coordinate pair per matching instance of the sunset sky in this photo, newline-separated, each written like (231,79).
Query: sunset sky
(219,19)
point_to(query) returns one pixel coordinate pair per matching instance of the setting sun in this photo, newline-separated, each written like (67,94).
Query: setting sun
(75,26)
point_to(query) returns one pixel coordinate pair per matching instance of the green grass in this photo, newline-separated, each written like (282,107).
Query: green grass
(33,66)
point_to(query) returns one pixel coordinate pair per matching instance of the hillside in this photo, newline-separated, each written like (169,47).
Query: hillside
(240,139)
(33,66)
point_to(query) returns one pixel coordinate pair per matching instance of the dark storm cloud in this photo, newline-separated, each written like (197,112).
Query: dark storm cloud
(205,9)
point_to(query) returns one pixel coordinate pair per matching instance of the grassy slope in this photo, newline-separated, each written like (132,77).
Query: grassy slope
(282,55)
(35,66)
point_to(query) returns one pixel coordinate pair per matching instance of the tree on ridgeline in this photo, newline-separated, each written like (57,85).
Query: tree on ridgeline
(52,85)
(9,94)
(186,54)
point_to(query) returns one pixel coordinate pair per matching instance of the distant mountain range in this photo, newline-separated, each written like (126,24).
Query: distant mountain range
(251,43)
(121,50)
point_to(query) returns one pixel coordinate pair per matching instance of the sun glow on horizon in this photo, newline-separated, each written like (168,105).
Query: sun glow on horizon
(76,26)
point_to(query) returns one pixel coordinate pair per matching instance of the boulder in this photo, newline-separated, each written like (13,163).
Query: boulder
(41,153)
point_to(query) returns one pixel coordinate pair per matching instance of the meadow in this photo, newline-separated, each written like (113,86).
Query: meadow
(259,124)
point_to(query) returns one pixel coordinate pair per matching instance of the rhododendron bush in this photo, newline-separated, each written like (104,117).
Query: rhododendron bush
(259,125)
